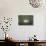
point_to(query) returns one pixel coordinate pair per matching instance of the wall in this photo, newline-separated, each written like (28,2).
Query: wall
(13,8)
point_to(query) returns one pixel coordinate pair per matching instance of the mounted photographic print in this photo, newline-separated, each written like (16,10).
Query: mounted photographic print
(25,19)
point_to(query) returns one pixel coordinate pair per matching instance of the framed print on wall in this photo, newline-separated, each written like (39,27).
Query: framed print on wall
(25,19)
